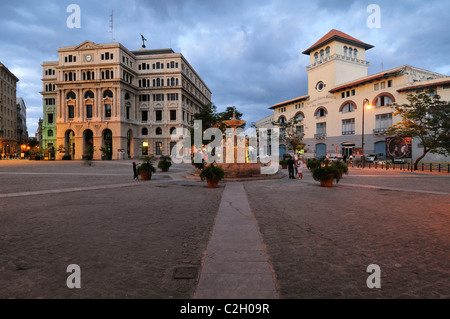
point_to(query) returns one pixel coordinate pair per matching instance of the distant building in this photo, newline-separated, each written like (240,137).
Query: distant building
(22,131)
(339,89)
(39,133)
(126,102)
(8,112)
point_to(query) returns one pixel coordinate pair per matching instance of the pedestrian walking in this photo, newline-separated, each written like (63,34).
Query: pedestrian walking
(136,176)
(291,164)
(300,168)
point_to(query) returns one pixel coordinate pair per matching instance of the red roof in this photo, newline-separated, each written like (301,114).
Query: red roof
(295,100)
(423,86)
(336,34)
(392,73)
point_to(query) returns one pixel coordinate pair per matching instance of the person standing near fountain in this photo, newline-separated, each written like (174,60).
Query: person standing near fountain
(291,163)
(300,168)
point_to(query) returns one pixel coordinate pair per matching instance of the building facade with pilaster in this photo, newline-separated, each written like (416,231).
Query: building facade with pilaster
(118,103)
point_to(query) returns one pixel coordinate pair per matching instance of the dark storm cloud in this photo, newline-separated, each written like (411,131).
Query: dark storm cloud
(247,52)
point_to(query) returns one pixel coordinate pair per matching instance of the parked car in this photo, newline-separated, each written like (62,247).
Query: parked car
(371,158)
(335,158)
(399,161)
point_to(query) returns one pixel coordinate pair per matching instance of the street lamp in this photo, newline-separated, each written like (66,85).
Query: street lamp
(366,104)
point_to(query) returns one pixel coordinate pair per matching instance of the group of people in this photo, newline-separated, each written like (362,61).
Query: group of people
(295,167)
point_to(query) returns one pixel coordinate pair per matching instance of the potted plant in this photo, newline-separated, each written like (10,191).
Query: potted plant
(164,163)
(326,175)
(212,174)
(35,153)
(341,167)
(65,151)
(312,164)
(89,152)
(283,164)
(146,169)
(105,154)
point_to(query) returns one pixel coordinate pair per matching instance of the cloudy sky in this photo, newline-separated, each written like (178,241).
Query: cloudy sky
(248,52)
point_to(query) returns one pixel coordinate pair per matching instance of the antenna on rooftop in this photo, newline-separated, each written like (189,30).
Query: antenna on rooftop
(112,26)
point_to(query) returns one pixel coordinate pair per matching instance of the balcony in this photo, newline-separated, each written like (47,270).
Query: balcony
(320,136)
(348,133)
(337,57)
(379,131)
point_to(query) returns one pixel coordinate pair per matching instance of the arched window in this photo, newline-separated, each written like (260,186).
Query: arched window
(158,131)
(108,110)
(350,51)
(282,119)
(173,130)
(89,94)
(327,52)
(144,131)
(320,112)
(383,99)
(321,55)
(127,96)
(316,57)
(158,82)
(299,116)
(71,111)
(50,133)
(172,82)
(108,93)
(71,95)
(345,51)
(347,107)
(355,53)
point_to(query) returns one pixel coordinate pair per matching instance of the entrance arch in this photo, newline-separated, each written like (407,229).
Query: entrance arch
(88,143)
(380,148)
(129,142)
(347,149)
(321,150)
(70,143)
(108,143)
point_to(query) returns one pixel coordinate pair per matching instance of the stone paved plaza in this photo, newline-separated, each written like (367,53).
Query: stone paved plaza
(131,237)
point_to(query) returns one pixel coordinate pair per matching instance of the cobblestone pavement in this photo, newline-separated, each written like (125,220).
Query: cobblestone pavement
(320,241)
(127,240)
(128,237)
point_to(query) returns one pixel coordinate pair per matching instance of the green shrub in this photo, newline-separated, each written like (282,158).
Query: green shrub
(212,173)
(326,173)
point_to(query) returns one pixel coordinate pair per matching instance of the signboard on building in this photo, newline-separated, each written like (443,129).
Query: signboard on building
(357,151)
(398,147)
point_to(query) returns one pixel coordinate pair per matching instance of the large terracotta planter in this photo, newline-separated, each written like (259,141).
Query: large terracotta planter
(212,183)
(328,182)
(146,175)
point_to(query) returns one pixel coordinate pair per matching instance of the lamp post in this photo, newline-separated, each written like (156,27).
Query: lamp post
(366,103)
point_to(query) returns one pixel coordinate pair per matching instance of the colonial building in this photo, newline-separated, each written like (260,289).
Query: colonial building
(8,112)
(126,102)
(347,110)
(22,130)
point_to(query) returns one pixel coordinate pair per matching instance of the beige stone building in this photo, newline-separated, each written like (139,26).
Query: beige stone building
(345,107)
(8,112)
(128,102)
